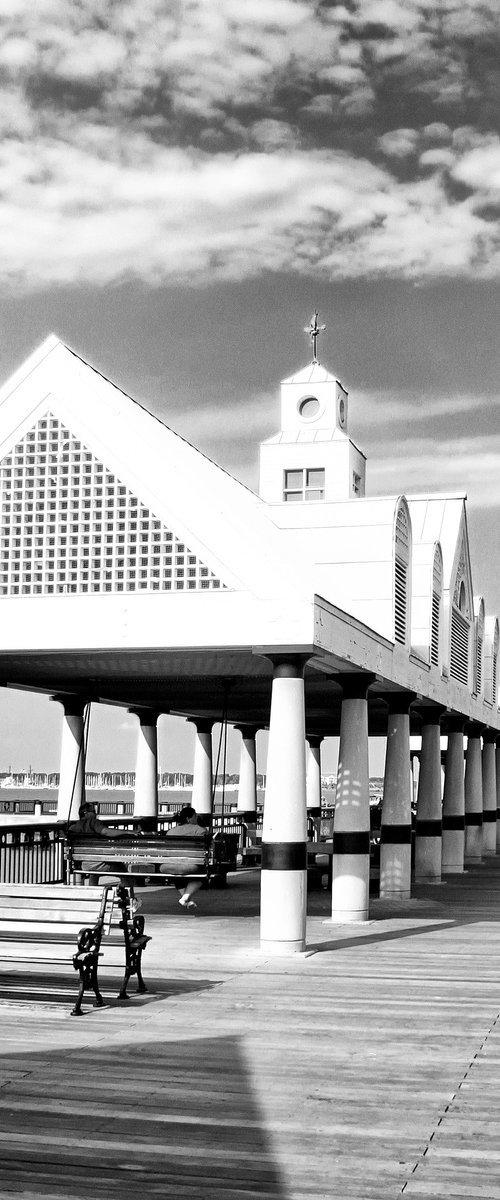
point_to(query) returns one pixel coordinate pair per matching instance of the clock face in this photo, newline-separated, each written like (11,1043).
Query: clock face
(341,411)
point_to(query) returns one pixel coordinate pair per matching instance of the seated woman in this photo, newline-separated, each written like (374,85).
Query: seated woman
(89,826)
(187,826)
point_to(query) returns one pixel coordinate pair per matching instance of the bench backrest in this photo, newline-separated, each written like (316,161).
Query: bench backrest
(54,908)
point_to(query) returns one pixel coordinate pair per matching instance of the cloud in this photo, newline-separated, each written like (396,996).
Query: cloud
(464,464)
(203,141)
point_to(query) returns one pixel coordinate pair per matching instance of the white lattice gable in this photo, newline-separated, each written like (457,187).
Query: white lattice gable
(210,527)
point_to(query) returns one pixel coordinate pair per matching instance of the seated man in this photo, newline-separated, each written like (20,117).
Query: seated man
(89,826)
(187,826)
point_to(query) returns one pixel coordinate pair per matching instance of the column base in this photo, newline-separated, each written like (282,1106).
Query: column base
(349,918)
(452,869)
(400,895)
(282,949)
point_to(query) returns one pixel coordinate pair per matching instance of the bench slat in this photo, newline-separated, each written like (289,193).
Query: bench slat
(57,891)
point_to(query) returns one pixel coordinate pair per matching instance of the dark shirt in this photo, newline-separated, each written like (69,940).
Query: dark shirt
(90,826)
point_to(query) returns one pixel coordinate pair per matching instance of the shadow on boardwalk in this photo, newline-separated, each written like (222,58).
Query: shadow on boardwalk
(158,1119)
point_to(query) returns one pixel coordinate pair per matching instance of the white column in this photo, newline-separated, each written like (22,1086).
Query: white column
(313,772)
(453,848)
(202,798)
(489,793)
(395,830)
(247,790)
(428,828)
(473,795)
(284,854)
(72,763)
(351,829)
(497,765)
(146,768)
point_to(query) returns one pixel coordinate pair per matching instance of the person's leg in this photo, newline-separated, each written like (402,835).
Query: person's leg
(192,887)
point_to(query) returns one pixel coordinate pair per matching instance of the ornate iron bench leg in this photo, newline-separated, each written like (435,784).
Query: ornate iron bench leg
(85,961)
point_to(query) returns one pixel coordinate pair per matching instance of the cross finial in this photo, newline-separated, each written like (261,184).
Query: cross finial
(313,329)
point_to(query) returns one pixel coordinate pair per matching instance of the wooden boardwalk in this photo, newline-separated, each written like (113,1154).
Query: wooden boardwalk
(369,1068)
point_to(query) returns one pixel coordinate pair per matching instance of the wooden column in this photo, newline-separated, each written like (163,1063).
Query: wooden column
(284,835)
(453,848)
(146,769)
(473,794)
(72,763)
(313,773)
(428,829)
(489,793)
(202,797)
(247,790)
(395,830)
(351,830)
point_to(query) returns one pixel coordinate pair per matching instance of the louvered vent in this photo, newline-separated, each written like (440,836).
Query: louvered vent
(459,657)
(436,607)
(400,601)
(479,666)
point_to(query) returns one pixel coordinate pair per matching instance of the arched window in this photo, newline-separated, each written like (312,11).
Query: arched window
(437,593)
(478,645)
(461,616)
(402,537)
(491,646)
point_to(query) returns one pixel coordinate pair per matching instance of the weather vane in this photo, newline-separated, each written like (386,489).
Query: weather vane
(313,329)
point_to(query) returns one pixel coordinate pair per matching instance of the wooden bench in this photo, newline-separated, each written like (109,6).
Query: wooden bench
(38,922)
(191,857)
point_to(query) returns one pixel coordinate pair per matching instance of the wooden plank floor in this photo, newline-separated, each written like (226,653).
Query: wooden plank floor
(367,1069)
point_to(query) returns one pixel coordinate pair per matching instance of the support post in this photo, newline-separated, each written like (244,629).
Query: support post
(453,848)
(72,763)
(489,793)
(247,790)
(473,794)
(313,773)
(395,830)
(284,835)
(428,830)
(351,829)
(202,797)
(146,769)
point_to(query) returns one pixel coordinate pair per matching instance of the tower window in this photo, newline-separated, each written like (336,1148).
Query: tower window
(356,484)
(307,484)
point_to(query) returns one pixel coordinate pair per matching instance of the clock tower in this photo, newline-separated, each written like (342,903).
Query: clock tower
(312,459)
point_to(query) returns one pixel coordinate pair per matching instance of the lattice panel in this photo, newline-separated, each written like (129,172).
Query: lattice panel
(69,525)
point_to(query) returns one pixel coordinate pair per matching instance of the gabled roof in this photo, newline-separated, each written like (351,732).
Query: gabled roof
(221,520)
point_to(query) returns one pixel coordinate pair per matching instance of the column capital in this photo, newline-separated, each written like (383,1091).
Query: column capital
(203,724)
(355,686)
(490,736)
(473,729)
(247,731)
(288,666)
(453,723)
(430,714)
(73,705)
(398,702)
(147,716)
(315,740)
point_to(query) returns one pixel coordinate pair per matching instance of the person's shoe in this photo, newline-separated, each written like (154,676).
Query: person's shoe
(184,901)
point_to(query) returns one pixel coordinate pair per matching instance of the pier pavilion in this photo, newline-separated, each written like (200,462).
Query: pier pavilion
(136,572)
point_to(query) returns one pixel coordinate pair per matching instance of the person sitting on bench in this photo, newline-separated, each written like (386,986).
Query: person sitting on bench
(187,826)
(89,826)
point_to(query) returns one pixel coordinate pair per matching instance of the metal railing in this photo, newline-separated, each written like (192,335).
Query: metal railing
(31,854)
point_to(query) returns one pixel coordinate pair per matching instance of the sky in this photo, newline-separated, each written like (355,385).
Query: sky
(182,183)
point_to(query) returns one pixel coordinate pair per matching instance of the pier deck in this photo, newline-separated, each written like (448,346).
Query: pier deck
(369,1068)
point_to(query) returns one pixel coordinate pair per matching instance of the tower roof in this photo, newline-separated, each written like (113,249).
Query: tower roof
(313,373)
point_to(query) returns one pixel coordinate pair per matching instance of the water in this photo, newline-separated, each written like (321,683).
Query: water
(10,797)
